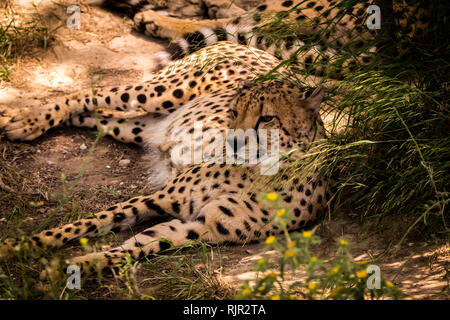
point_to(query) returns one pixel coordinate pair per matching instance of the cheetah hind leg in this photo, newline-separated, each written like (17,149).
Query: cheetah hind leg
(152,24)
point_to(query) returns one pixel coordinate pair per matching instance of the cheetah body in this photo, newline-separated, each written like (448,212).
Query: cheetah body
(210,201)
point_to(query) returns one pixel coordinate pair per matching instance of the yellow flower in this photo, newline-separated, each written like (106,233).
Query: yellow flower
(270,240)
(36,204)
(246,292)
(272,275)
(314,259)
(334,270)
(335,292)
(362,262)
(361,274)
(261,261)
(281,212)
(292,244)
(312,286)
(272,196)
(389,284)
(83,241)
(262,288)
(289,253)
(307,234)
(343,243)
(275,297)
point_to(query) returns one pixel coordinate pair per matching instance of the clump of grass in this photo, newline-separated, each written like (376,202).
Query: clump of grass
(20,35)
(387,152)
(12,196)
(179,276)
(403,168)
(389,145)
(338,278)
(21,280)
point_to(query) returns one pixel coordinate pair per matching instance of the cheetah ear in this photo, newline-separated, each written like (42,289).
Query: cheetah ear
(313,98)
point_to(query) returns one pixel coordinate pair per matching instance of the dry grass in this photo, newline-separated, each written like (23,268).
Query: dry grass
(22,34)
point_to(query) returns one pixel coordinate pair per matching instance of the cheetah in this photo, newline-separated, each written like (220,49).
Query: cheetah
(214,201)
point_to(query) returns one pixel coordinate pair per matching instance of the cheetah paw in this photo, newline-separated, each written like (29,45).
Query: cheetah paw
(156,25)
(26,124)
(145,22)
(5,115)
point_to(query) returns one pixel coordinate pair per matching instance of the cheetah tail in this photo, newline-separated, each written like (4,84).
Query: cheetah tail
(189,43)
(128,7)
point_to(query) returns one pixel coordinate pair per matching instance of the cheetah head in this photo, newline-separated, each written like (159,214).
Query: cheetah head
(279,105)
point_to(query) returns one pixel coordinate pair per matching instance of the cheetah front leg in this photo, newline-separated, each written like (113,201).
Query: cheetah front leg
(122,130)
(152,240)
(227,219)
(116,218)
(27,124)
(128,101)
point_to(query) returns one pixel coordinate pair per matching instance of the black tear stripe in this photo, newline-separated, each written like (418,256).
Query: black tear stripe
(191,207)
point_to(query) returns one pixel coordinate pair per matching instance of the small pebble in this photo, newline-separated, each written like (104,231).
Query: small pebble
(124,162)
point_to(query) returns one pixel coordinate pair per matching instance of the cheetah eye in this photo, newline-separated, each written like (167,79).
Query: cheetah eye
(266,118)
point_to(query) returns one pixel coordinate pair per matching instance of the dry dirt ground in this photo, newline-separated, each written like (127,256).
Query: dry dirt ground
(106,51)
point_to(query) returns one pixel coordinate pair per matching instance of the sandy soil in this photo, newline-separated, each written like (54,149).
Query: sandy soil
(107,51)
